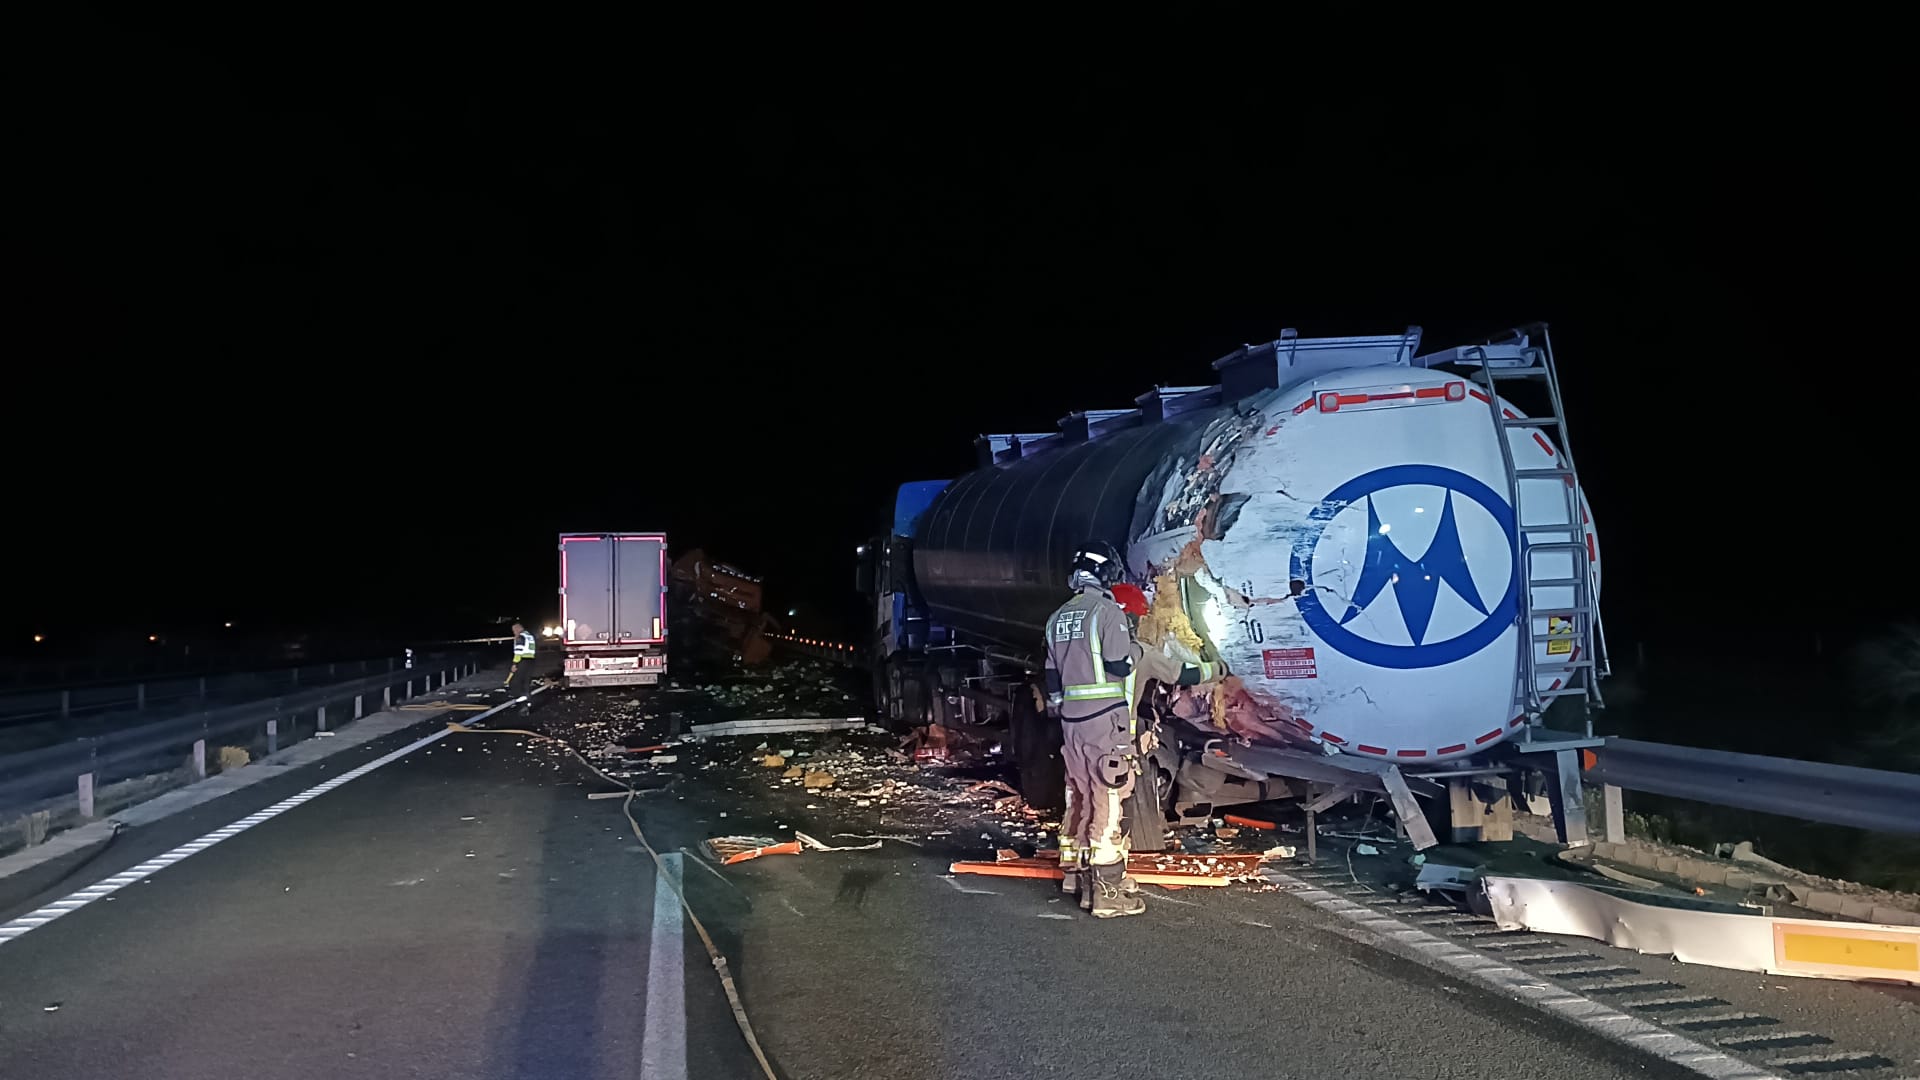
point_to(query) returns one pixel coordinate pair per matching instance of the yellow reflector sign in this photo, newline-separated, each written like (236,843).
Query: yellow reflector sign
(1853,951)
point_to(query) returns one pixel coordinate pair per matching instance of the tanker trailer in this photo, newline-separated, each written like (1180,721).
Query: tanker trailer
(1390,561)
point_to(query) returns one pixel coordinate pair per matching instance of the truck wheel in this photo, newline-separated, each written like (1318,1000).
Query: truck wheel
(1036,751)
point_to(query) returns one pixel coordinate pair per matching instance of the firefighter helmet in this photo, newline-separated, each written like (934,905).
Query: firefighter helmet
(1098,560)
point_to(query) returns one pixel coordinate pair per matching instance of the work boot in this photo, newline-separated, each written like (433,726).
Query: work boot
(1072,874)
(1127,886)
(1109,899)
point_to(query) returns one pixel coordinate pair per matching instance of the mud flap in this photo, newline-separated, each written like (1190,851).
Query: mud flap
(1146,822)
(1036,742)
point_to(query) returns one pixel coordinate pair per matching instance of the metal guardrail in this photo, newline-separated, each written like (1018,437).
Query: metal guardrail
(39,779)
(158,691)
(818,648)
(1872,799)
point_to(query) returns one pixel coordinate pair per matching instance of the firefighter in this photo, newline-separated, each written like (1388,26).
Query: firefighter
(1089,672)
(520,675)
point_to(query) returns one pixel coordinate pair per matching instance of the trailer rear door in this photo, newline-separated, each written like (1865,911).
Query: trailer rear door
(640,589)
(587,589)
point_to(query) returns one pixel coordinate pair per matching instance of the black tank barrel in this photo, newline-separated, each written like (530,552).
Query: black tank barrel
(990,555)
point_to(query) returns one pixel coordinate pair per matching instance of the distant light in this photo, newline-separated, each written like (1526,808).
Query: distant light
(791,612)
(861,550)
(1385,528)
(229,626)
(153,637)
(39,638)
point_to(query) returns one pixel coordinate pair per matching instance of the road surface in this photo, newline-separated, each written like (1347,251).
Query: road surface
(466,911)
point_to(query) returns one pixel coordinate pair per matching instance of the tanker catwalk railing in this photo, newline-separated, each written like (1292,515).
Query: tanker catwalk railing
(68,782)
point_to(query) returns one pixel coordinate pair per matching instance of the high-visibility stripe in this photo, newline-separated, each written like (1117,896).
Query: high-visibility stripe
(1093,692)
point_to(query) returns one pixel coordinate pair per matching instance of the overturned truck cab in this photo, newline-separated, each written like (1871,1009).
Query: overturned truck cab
(1389,561)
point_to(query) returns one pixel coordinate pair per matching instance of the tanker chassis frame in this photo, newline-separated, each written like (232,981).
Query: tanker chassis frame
(1188,778)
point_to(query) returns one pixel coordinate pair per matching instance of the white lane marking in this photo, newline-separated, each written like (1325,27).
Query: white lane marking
(1052,915)
(663,1047)
(33,920)
(957,887)
(1515,983)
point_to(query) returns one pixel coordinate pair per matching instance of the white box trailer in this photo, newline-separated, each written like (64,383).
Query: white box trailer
(613,608)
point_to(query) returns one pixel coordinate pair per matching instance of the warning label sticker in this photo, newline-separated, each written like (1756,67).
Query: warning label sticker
(1561,627)
(1290,663)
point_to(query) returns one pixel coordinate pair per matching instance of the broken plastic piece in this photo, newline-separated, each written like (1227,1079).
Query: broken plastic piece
(1251,823)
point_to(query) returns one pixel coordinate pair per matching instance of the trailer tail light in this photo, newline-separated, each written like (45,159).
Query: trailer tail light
(1362,398)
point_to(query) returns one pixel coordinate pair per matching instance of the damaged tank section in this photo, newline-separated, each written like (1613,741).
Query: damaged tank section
(1383,555)
(1343,544)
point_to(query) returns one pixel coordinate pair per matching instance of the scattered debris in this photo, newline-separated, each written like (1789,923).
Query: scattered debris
(1251,823)
(1164,868)
(769,727)
(727,850)
(815,845)
(817,780)
(1365,849)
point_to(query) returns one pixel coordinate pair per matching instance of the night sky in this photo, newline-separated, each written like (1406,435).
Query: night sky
(308,337)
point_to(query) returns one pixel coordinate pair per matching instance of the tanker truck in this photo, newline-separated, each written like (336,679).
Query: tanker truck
(1387,559)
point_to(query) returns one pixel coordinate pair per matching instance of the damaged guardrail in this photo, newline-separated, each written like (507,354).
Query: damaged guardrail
(1873,799)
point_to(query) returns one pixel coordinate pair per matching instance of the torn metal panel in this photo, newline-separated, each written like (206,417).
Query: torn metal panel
(1701,933)
(1441,877)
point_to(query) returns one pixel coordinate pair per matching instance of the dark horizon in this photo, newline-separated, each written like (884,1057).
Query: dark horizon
(310,355)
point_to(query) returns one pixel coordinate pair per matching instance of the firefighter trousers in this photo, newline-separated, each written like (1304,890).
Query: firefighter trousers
(1099,756)
(519,679)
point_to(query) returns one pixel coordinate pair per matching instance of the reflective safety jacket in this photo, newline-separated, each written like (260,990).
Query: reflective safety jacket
(1089,657)
(523,646)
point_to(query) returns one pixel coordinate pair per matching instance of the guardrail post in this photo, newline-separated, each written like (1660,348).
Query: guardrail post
(86,795)
(140,697)
(66,704)
(198,762)
(330,671)
(1616,813)
(320,721)
(273,736)
(386,697)
(296,676)
(359,706)
(408,695)
(203,688)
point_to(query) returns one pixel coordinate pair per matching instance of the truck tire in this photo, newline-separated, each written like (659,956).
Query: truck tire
(1146,821)
(1035,737)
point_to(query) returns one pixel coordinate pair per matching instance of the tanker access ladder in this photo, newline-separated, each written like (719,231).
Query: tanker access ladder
(1516,360)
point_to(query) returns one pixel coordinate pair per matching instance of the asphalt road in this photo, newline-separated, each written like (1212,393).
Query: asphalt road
(467,912)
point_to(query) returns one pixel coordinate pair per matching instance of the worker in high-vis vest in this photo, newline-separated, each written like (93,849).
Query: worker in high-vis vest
(520,675)
(1089,673)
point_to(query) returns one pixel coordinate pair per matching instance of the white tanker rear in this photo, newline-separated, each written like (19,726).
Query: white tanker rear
(1347,545)
(1392,565)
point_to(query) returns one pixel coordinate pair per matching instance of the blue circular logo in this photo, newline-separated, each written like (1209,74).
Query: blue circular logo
(1416,581)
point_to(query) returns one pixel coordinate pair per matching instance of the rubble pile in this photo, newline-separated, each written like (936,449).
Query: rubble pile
(868,771)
